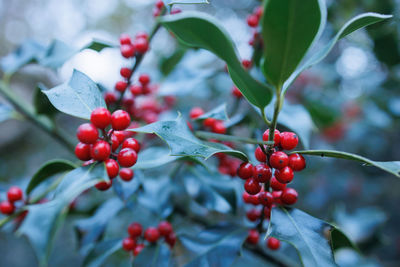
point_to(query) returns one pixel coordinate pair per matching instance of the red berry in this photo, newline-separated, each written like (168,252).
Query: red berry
(127,157)
(254,200)
(279,160)
(120,136)
(126,174)
(246,198)
(289,196)
(253,237)
(253,215)
(196,112)
(246,63)
(297,162)
(252,21)
(131,143)
(135,230)
(289,140)
(100,118)
(121,86)
(101,150)
(267,212)
(144,79)
(165,228)
(112,168)
(175,11)
(138,249)
(209,122)
(277,137)
(141,45)
(7,207)
(125,72)
(276,185)
(103,185)
(142,35)
(151,234)
(114,142)
(110,98)
(262,173)
(266,199)
(120,120)
(159,4)
(273,243)
(258,11)
(284,175)
(135,89)
(82,151)
(277,196)
(218,127)
(259,154)
(125,39)
(171,239)
(14,194)
(128,244)
(236,92)
(252,186)
(245,170)
(127,50)
(87,133)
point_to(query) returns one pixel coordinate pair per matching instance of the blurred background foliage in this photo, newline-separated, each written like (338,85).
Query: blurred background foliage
(352,96)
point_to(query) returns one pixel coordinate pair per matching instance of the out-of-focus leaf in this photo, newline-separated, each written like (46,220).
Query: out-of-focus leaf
(125,190)
(218,113)
(341,240)
(392,167)
(182,142)
(98,45)
(323,114)
(289,27)
(199,30)
(168,64)
(101,252)
(47,170)
(57,54)
(41,102)
(6,112)
(305,233)
(158,255)
(78,97)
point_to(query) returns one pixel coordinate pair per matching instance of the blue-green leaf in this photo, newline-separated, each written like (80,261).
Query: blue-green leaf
(158,255)
(6,112)
(101,252)
(218,113)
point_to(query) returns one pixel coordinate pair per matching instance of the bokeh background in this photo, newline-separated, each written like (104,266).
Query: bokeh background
(353,98)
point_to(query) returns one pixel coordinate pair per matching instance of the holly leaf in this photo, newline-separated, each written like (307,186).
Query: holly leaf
(168,64)
(158,255)
(218,113)
(352,25)
(289,27)
(78,97)
(392,167)
(47,170)
(41,102)
(340,240)
(305,233)
(195,29)
(101,252)
(182,142)
(57,54)
(98,45)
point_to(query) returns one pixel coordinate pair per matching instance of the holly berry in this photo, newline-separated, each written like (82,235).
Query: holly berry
(209,122)
(103,185)
(110,98)
(259,154)
(252,21)
(246,63)
(279,160)
(125,39)
(138,249)
(127,157)
(100,150)
(277,137)
(171,239)
(159,4)
(218,127)
(82,151)
(14,194)
(253,215)
(266,199)
(151,234)
(131,143)
(252,186)
(258,11)
(112,168)
(253,237)
(7,207)
(254,200)
(144,79)
(121,86)
(120,135)
(127,50)
(276,185)
(245,170)
(165,228)
(267,212)
(141,45)
(236,92)
(142,35)
(297,162)
(277,196)
(289,196)
(196,112)
(87,133)
(100,118)
(246,198)
(273,243)
(128,244)
(289,140)
(284,175)
(120,120)
(135,230)
(262,173)
(125,72)
(114,142)
(136,89)
(126,174)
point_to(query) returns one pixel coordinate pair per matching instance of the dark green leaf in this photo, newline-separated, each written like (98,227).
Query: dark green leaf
(199,30)
(289,27)
(182,142)
(78,97)
(41,102)
(101,252)
(158,255)
(47,170)
(354,24)
(392,167)
(218,113)
(305,233)
(98,45)
(168,64)
(341,240)
(6,112)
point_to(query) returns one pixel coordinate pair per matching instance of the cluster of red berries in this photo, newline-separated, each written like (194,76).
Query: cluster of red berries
(14,194)
(136,239)
(93,147)
(254,236)
(216,126)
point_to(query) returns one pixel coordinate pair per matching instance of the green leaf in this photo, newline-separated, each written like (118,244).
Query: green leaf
(43,220)
(47,170)
(41,102)
(172,2)
(101,252)
(392,167)
(289,27)
(78,97)
(341,240)
(182,142)
(157,255)
(57,54)
(218,113)
(195,29)
(6,112)
(98,45)
(305,233)
(168,64)
(354,24)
